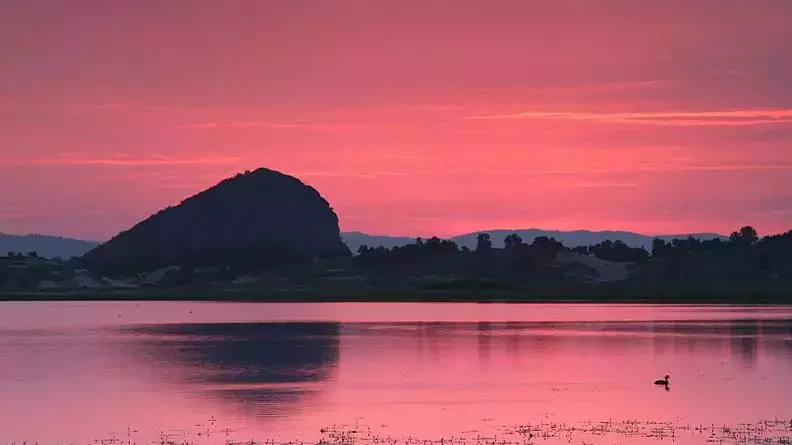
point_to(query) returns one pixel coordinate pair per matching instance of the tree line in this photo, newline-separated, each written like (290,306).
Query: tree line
(769,251)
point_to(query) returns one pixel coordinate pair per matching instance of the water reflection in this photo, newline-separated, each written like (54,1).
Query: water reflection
(743,337)
(272,370)
(484,330)
(268,367)
(413,373)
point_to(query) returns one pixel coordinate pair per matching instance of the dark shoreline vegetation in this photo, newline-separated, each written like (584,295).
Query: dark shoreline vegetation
(570,295)
(743,269)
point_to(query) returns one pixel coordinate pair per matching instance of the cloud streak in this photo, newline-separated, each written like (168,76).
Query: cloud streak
(659,167)
(16,216)
(104,106)
(124,161)
(330,127)
(607,87)
(743,117)
(250,124)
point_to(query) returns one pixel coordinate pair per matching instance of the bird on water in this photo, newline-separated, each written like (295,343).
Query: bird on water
(662,381)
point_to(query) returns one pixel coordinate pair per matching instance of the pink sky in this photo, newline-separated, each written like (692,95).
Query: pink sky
(410,117)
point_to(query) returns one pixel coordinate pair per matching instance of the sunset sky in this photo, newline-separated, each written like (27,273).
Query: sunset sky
(411,117)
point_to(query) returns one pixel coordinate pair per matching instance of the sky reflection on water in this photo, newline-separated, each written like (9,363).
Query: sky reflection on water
(289,371)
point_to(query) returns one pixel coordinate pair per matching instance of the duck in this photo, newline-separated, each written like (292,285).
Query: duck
(662,381)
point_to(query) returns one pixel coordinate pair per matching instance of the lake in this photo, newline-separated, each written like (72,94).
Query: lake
(142,372)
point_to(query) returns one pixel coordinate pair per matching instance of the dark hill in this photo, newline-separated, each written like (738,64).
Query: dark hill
(257,219)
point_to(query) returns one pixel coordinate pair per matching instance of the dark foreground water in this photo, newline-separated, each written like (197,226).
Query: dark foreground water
(154,372)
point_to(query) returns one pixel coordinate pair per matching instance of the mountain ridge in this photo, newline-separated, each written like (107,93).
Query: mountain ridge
(46,246)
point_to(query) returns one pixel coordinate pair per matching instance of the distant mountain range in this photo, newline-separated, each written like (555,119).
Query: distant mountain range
(569,238)
(44,246)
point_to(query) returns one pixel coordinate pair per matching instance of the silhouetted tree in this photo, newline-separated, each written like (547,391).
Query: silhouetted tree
(512,241)
(436,245)
(546,247)
(483,242)
(746,236)
(415,253)
(660,248)
(619,251)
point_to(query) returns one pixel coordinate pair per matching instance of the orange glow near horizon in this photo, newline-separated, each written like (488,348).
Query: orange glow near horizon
(411,119)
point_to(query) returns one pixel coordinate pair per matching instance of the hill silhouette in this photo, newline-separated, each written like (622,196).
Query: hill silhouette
(258,219)
(44,246)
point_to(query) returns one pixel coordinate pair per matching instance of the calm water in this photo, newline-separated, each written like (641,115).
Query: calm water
(80,372)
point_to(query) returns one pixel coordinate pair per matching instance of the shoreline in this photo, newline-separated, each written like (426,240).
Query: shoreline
(606,295)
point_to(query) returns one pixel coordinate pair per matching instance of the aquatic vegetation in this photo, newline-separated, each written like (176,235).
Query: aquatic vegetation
(589,432)
(632,431)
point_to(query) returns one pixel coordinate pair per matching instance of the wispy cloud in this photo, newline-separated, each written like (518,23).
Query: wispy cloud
(658,167)
(129,161)
(249,124)
(725,168)
(377,174)
(15,216)
(105,106)
(177,186)
(742,117)
(603,184)
(166,175)
(607,87)
(329,126)
(655,167)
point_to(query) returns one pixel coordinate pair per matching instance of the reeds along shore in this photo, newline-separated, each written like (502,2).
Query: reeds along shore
(765,432)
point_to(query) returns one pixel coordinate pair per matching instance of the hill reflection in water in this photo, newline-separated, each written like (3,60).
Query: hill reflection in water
(271,366)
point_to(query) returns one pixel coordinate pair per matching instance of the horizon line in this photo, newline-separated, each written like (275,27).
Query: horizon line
(413,237)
